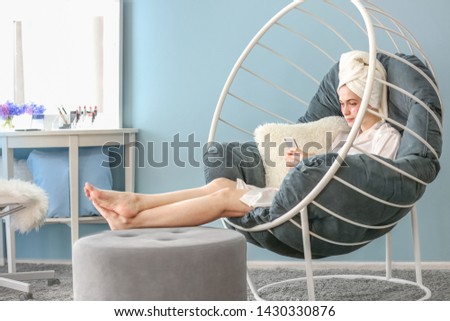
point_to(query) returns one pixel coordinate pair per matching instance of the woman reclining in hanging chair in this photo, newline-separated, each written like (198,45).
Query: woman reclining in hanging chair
(224,197)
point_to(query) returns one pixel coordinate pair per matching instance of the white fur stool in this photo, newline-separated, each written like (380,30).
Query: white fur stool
(198,263)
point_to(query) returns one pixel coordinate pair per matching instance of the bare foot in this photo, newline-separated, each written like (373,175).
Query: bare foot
(122,203)
(115,221)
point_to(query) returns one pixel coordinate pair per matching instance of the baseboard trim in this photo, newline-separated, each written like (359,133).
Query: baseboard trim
(348,265)
(31,261)
(300,264)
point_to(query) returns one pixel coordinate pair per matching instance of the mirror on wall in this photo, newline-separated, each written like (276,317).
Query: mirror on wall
(63,53)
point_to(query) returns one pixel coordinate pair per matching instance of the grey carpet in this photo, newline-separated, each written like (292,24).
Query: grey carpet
(438,281)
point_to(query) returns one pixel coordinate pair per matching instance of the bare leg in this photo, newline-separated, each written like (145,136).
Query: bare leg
(192,212)
(130,204)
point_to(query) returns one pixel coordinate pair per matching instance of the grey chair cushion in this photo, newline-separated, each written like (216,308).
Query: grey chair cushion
(360,170)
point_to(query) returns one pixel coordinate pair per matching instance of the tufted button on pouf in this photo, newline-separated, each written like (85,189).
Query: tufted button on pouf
(198,263)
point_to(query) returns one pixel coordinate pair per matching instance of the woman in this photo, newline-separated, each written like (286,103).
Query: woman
(226,198)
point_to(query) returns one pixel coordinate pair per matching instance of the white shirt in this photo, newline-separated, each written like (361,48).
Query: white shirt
(380,139)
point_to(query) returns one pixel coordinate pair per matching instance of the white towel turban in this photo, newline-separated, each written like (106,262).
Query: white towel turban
(353,71)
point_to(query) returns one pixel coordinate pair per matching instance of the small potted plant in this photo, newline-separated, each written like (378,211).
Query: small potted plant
(7,112)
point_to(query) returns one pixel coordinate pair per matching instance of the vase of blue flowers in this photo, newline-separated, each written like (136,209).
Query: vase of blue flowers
(8,110)
(37,115)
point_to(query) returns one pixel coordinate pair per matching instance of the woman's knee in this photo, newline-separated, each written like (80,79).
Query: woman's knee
(229,199)
(221,183)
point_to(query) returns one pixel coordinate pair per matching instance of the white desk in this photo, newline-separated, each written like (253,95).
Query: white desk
(72,139)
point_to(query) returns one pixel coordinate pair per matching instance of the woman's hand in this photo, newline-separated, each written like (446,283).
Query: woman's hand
(293,156)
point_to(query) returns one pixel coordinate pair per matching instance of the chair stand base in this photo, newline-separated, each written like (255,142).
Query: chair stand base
(426,296)
(14,281)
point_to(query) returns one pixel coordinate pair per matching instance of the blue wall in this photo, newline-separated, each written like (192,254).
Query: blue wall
(177,56)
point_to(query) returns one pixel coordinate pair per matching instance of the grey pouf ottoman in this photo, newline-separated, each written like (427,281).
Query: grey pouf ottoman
(158,264)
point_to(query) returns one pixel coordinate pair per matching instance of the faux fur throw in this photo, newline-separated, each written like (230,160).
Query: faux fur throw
(313,138)
(34,199)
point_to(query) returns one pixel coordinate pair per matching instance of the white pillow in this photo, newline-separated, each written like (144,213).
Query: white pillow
(314,137)
(20,170)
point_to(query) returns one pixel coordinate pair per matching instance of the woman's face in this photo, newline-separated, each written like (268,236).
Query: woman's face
(350,103)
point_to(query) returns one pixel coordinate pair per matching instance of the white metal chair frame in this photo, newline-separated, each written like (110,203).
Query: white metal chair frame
(368,12)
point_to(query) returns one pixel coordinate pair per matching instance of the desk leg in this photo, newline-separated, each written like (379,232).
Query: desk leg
(130,161)
(8,167)
(5,175)
(73,184)
(2,244)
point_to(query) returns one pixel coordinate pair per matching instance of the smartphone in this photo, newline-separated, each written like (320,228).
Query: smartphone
(290,142)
